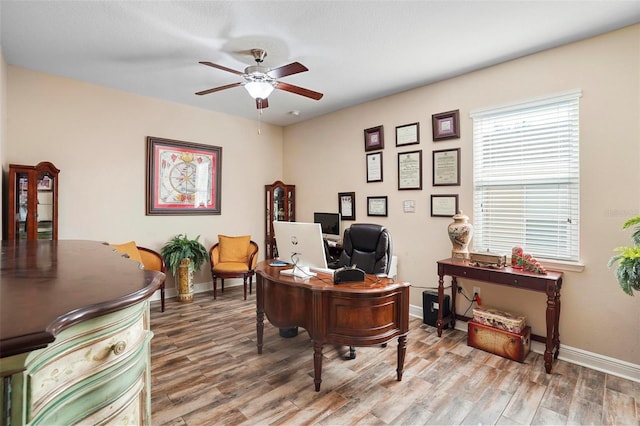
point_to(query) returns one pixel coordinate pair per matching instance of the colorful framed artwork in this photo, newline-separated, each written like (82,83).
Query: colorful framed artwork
(446,125)
(183,178)
(347,205)
(377,206)
(408,134)
(374,138)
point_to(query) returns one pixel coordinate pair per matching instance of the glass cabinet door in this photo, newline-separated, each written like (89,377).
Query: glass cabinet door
(21,206)
(44,215)
(280,205)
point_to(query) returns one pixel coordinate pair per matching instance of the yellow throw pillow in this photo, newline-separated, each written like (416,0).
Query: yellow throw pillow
(234,249)
(130,249)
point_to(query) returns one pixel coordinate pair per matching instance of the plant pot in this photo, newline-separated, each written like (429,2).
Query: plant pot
(184,283)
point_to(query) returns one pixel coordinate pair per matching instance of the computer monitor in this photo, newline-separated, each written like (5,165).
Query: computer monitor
(330,223)
(300,244)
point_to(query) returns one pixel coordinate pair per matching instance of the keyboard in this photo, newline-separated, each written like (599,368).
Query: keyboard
(323,270)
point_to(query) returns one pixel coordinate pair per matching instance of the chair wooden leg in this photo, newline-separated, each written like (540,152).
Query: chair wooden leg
(244,282)
(215,291)
(222,284)
(250,284)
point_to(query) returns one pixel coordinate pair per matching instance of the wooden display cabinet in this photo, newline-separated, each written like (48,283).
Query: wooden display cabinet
(280,204)
(32,202)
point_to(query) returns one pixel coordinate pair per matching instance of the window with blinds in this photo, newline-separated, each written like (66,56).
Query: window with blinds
(526,176)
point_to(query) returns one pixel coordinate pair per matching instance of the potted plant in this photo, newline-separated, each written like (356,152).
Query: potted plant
(628,258)
(183,256)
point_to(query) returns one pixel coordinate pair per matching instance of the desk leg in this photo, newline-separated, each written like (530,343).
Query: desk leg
(259,312)
(402,350)
(551,326)
(440,303)
(317,365)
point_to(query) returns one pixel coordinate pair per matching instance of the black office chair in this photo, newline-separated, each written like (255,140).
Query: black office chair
(368,247)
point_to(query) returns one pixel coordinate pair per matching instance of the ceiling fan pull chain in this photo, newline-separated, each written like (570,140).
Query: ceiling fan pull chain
(259,116)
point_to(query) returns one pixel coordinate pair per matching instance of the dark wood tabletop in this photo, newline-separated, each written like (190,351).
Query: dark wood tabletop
(47,286)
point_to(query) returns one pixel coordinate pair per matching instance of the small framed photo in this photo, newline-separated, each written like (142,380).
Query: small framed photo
(374,167)
(45,184)
(410,170)
(377,206)
(347,205)
(374,138)
(446,167)
(408,134)
(446,125)
(444,205)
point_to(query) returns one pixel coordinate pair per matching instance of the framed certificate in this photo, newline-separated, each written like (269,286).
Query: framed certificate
(444,205)
(410,170)
(374,167)
(446,167)
(377,206)
(408,134)
(347,205)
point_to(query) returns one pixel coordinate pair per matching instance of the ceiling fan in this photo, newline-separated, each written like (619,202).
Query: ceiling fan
(260,81)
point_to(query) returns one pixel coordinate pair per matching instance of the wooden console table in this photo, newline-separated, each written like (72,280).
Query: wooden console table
(367,313)
(549,283)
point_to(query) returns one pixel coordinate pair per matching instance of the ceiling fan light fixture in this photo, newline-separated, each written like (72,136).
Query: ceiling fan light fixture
(259,89)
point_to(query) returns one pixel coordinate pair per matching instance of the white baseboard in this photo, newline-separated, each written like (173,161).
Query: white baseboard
(570,354)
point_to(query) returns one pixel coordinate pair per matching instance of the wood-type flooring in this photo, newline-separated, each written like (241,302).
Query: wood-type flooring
(205,370)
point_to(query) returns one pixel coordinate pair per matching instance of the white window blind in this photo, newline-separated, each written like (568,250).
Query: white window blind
(526,174)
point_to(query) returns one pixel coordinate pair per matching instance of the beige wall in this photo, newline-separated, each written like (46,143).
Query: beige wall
(96,137)
(3,120)
(596,315)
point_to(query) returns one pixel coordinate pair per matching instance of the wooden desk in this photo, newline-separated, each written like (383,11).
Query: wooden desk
(366,313)
(551,283)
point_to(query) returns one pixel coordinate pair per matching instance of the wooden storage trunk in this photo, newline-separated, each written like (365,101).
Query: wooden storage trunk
(500,319)
(510,345)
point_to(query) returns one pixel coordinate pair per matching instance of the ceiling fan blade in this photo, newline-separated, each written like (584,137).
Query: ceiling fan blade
(262,103)
(217,89)
(220,67)
(299,90)
(285,70)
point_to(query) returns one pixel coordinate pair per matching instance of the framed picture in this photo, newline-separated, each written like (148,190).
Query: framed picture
(45,184)
(374,167)
(446,125)
(444,205)
(183,178)
(410,170)
(446,167)
(408,134)
(373,138)
(347,205)
(377,206)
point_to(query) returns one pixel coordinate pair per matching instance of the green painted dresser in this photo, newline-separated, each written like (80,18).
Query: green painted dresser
(74,334)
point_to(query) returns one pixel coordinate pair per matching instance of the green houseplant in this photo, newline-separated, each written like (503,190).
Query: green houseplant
(183,256)
(628,258)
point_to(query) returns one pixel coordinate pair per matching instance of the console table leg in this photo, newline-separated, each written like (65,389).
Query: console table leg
(551,327)
(317,365)
(402,350)
(440,303)
(556,333)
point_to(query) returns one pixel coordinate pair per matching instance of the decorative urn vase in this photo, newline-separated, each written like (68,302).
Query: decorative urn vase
(460,234)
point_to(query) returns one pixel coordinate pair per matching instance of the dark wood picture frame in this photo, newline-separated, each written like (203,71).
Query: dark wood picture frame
(408,134)
(410,170)
(183,178)
(444,205)
(377,206)
(347,205)
(374,167)
(374,138)
(446,167)
(446,125)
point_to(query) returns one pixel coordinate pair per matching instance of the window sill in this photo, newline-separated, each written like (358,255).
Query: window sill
(557,265)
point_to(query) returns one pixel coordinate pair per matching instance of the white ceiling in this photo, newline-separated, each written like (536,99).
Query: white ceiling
(355,50)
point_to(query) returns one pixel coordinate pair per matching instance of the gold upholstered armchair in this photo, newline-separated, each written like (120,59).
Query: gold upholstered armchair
(149,259)
(233,257)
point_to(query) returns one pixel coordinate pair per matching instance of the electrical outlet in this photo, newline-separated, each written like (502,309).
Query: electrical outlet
(476,290)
